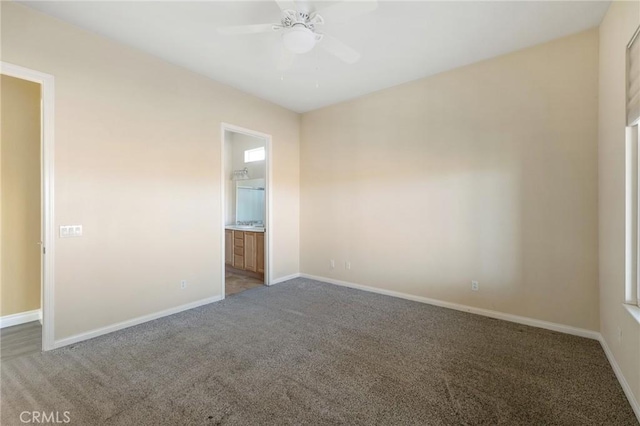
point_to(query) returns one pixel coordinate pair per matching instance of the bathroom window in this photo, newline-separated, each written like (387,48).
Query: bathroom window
(252,155)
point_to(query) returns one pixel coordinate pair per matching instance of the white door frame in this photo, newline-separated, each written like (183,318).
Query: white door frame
(48,233)
(268,241)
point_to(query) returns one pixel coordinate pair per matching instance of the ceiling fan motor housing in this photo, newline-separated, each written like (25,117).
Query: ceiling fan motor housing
(291,18)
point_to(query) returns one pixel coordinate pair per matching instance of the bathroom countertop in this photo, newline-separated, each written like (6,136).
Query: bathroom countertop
(244,228)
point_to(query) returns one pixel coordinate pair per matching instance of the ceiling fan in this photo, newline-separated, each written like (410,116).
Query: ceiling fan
(299,27)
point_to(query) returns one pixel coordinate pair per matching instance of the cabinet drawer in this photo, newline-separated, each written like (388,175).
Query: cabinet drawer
(238,234)
(239,251)
(238,261)
(238,242)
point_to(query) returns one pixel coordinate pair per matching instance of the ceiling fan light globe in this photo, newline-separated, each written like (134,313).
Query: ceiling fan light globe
(299,39)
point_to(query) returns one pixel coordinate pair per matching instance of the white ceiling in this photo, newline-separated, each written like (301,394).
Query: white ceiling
(399,42)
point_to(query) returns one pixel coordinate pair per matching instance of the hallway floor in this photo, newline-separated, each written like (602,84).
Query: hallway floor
(20,340)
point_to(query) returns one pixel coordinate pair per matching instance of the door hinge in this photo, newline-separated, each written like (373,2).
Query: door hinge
(44,250)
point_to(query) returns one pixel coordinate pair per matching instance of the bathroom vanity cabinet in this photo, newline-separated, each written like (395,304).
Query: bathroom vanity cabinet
(244,251)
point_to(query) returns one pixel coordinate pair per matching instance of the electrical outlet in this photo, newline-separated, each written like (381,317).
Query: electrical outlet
(347,265)
(332,264)
(183,284)
(475,286)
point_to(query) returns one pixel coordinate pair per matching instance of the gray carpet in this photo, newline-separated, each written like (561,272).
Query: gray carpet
(304,352)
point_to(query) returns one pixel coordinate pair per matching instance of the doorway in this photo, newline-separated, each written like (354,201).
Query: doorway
(26,246)
(245,213)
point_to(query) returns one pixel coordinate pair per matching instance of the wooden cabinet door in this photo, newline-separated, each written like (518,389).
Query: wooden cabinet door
(260,252)
(250,251)
(228,246)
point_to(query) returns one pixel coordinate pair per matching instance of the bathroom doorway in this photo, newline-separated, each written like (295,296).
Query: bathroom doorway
(246,230)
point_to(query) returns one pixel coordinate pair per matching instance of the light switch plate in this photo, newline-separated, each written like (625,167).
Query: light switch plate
(67,231)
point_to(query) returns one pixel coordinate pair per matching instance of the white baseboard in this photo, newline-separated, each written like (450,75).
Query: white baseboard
(21,318)
(635,405)
(283,279)
(130,323)
(465,308)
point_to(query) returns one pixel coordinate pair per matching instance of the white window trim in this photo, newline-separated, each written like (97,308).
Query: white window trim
(632,222)
(634,311)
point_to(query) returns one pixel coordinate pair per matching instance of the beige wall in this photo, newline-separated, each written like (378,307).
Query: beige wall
(137,163)
(488,173)
(616,30)
(20,196)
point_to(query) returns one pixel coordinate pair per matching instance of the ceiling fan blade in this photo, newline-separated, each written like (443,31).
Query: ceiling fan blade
(286,4)
(286,59)
(249,29)
(339,49)
(348,9)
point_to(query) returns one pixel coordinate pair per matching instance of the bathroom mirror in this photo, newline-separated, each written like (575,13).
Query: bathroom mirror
(250,200)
